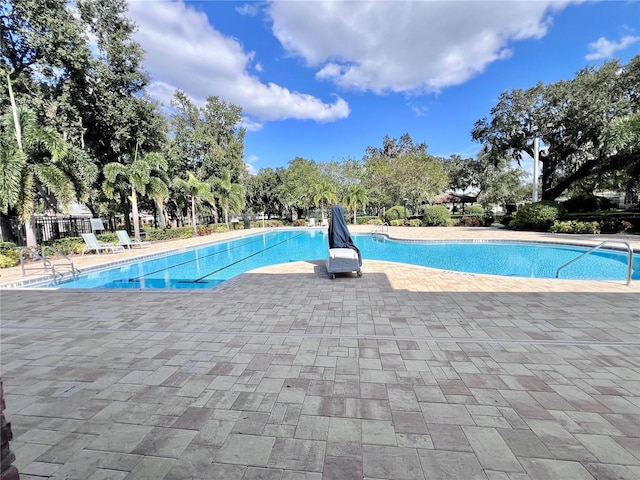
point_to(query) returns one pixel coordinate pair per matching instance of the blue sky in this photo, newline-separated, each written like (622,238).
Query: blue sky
(323,80)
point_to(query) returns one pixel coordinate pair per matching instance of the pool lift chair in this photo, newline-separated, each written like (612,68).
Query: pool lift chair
(344,256)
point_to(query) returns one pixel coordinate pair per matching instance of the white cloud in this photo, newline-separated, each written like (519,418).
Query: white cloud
(249,161)
(603,48)
(247,9)
(404,46)
(183,51)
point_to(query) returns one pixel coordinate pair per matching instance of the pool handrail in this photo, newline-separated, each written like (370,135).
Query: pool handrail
(593,249)
(381,228)
(47,264)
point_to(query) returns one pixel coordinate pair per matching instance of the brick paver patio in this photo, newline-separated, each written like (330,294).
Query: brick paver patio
(283,373)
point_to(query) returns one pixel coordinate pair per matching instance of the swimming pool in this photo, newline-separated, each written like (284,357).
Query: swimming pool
(210,265)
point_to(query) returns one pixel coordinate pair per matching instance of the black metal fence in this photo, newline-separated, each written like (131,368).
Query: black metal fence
(47,228)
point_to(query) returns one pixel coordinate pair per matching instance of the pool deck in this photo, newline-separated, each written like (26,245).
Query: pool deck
(284,374)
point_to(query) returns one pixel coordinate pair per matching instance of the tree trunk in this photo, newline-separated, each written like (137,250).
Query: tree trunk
(134,212)
(30,232)
(161,218)
(193,215)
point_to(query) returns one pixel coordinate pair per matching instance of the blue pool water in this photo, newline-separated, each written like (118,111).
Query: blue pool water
(210,265)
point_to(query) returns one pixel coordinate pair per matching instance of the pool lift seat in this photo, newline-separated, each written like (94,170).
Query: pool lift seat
(343,260)
(344,256)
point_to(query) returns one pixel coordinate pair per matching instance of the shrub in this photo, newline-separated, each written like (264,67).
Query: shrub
(436,215)
(396,213)
(615,225)
(474,210)
(169,233)
(68,245)
(396,223)
(572,226)
(8,261)
(468,221)
(588,203)
(271,223)
(9,256)
(7,247)
(204,230)
(415,222)
(300,223)
(367,219)
(537,216)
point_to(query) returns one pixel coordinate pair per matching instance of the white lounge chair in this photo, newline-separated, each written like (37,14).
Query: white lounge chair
(125,241)
(92,243)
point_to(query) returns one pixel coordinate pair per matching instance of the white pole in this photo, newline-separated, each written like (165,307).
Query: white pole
(536,158)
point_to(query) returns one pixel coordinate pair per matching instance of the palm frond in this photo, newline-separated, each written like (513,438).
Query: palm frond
(12,163)
(57,181)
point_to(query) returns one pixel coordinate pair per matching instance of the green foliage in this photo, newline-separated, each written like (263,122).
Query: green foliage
(68,245)
(538,216)
(9,256)
(270,223)
(397,212)
(396,223)
(369,220)
(474,210)
(588,203)
(469,221)
(7,247)
(415,222)
(574,120)
(436,215)
(8,261)
(169,233)
(571,226)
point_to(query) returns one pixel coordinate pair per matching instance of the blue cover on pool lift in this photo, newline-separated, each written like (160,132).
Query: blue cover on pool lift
(344,256)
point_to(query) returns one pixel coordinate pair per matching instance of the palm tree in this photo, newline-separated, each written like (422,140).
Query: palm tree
(196,190)
(141,176)
(230,195)
(357,197)
(324,192)
(36,163)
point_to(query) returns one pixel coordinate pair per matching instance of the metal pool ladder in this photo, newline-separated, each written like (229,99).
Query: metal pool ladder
(380,229)
(47,264)
(591,250)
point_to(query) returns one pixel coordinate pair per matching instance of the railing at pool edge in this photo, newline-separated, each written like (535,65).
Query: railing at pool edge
(597,247)
(46,263)
(381,229)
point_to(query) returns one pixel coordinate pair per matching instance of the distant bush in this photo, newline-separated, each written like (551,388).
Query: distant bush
(415,222)
(396,223)
(436,215)
(396,213)
(7,248)
(169,233)
(301,222)
(8,261)
(538,216)
(8,255)
(469,221)
(616,225)
(473,210)
(369,220)
(571,226)
(270,223)
(588,203)
(68,245)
